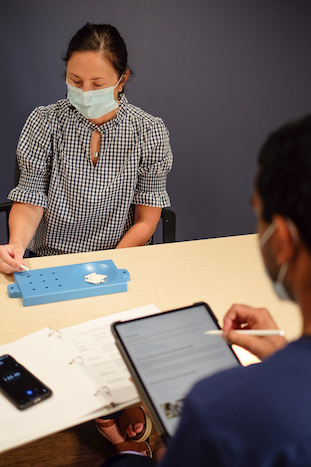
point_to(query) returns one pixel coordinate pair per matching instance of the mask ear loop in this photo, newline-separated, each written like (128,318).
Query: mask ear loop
(119,96)
(294,232)
(282,273)
(295,237)
(272,227)
(266,235)
(119,80)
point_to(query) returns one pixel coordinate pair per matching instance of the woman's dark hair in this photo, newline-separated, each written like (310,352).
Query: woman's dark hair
(284,177)
(100,38)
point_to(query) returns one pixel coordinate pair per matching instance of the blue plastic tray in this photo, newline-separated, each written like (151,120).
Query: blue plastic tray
(67,282)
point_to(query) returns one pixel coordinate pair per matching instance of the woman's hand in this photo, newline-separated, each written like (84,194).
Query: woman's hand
(11,258)
(247,317)
(23,221)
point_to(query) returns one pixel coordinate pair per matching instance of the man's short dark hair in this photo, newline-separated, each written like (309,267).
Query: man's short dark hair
(284,177)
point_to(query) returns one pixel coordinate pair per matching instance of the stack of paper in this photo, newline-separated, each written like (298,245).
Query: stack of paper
(84,369)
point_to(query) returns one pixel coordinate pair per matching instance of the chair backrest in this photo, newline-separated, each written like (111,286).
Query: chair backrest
(168,225)
(6,207)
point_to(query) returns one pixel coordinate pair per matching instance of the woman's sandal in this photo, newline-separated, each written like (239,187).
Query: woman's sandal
(115,431)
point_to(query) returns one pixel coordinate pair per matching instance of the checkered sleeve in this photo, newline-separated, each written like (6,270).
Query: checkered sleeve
(33,157)
(156,162)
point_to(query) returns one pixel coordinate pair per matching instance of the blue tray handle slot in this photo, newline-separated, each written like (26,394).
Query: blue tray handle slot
(14,291)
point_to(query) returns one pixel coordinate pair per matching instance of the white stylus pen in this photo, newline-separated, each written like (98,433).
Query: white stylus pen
(249,332)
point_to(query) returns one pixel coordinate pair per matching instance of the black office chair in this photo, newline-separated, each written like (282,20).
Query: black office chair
(168,222)
(168,225)
(6,207)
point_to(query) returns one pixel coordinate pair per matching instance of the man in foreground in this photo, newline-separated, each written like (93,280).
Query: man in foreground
(260,415)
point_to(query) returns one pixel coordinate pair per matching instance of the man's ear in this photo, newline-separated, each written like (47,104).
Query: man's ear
(285,239)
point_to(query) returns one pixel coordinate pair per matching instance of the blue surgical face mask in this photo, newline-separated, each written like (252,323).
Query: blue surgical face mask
(93,104)
(278,285)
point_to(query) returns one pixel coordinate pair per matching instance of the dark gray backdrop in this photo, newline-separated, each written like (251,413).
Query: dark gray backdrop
(221,74)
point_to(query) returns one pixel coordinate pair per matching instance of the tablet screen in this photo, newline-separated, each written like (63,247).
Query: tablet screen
(169,353)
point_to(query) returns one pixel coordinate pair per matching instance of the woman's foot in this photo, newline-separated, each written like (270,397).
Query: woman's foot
(128,431)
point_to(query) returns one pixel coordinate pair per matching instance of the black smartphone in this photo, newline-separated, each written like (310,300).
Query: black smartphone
(167,353)
(20,386)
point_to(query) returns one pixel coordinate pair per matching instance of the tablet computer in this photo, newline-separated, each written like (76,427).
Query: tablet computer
(167,353)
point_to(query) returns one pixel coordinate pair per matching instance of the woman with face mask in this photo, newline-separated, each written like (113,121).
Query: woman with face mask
(93,167)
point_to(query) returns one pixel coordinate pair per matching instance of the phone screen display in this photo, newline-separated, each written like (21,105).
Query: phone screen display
(21,387)
(168,353)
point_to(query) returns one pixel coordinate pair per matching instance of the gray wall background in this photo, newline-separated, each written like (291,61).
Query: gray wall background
(221,73)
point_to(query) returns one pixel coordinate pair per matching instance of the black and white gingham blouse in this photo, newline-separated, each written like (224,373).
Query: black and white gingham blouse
(90,208)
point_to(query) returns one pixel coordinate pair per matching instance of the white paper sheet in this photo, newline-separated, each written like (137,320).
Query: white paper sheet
(73,401)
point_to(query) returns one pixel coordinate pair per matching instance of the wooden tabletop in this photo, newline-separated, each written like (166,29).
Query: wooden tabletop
(219,271)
